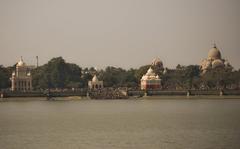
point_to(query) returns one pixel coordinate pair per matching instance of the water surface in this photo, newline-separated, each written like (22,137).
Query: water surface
(120,124)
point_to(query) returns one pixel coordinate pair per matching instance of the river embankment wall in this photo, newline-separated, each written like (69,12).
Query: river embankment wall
(137,93)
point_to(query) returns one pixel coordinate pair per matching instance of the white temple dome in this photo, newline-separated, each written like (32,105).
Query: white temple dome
(95,79)
(21,63)
(150,72)
(150,75)
(214,53)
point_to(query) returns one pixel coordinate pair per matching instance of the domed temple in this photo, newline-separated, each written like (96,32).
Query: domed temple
(95,83)
(214,60)
(21,79)
(151,81)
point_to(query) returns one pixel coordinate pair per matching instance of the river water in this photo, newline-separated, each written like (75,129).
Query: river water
(120,124)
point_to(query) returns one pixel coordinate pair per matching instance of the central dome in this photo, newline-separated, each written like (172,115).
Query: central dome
(21,63)
(95,79)
(150,72)
(157,62)
(214,53)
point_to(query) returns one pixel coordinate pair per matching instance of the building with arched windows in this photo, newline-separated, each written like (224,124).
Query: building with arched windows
(21,79)
(95,83)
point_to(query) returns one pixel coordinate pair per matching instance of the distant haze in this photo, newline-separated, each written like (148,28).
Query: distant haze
(121,33)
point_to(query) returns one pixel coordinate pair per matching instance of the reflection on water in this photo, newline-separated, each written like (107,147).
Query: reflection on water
(120,124)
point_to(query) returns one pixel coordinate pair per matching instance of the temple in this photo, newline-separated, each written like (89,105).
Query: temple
(21,79)
(214,60)
(95,83)
(151,80)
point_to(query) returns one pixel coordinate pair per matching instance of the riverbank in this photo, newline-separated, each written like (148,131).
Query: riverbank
(124,94)
(79,98)
(190,97)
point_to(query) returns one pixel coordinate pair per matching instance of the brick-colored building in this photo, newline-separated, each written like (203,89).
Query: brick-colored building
(150,81)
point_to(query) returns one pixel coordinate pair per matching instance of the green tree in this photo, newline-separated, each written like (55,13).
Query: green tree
(130,78)
(191,75)
(57,74)
(217,78)
(5,74)
(113,77)
(183,77)
(141,71)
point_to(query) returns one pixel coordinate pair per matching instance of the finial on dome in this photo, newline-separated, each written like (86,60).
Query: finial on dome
(214,45)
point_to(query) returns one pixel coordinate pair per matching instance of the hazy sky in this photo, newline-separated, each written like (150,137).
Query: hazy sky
(122,33)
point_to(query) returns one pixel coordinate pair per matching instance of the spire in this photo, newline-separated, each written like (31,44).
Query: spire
(37,60)
(20,63)
(214,45)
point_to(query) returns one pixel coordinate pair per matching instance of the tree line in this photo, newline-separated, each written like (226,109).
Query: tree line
(57,73)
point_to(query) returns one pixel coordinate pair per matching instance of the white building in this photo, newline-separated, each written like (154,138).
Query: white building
(214,60)
(21,79)
(95,83)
